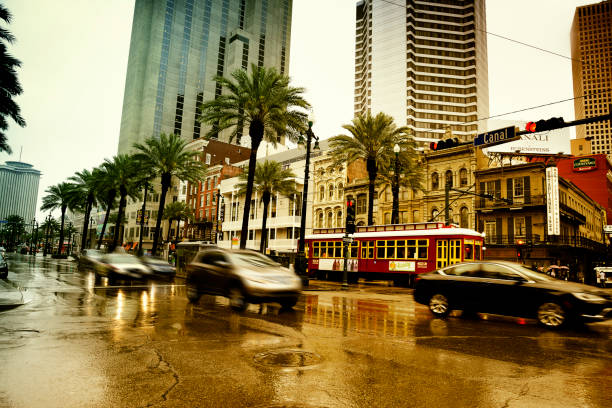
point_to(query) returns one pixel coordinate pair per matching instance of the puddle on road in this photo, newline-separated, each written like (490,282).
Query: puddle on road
(287,358)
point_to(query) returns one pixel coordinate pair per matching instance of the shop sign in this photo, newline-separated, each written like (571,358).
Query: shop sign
(552,201)
(585,164)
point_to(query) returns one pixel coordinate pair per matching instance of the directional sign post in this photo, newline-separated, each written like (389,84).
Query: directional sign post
(496,137)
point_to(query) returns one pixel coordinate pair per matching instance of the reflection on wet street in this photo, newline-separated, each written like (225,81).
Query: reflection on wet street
(72,340)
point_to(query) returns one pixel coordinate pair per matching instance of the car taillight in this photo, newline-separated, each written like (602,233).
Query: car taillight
(417,278)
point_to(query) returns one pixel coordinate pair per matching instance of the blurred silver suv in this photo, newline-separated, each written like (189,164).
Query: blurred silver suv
(242,276)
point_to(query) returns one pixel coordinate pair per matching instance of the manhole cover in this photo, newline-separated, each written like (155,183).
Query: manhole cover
(287,358)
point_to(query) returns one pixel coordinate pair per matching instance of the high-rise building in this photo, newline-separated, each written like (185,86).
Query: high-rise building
(425,64)
(18,190)
(591,39)
(178,46)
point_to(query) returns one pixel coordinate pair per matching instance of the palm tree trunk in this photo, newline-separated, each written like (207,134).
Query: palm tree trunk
(109,206)
(178,227)
(264,231)
(61,240)
(166,178)
(372,173)
(169,227)
(122,204)
(256,131)
(88,209)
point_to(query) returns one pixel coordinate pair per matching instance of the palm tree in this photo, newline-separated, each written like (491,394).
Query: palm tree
(262,101)
(16,225)
(166,157)
(59,196)
(409,175)
(177,211)
(86,182)
(270,178)
(105,186)
(9,84)
(125,170)
(372,140)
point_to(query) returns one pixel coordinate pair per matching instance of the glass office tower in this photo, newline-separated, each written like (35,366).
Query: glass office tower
(178,46)
(425,64)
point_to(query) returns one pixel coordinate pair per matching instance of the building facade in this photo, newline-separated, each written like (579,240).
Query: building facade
(591,36)
(518,217)
(18,190)
(178,46)
(425,64)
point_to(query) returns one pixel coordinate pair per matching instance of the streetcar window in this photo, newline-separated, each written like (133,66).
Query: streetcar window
(422,254)
(337,249)
(477,252)
(315,249)
(390,249)
(353,250)
(380,249)
(469,252)
(330,249)
(401,250)
(367,250)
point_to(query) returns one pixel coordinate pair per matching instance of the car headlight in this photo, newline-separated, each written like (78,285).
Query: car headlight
(588,297)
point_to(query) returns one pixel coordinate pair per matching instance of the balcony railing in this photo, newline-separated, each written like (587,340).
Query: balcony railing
(537,240)
(482,203)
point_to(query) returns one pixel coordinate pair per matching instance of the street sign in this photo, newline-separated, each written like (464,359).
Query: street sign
(348,240)
(3,221)
(496,137)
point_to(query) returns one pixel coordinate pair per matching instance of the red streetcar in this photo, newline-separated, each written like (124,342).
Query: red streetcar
(391,252)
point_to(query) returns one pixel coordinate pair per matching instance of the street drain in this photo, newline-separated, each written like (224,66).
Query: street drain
(287,358)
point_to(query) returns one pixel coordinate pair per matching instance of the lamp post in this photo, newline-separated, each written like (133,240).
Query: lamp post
(36,241)
(300,260)
(46,247)
(395,187)
(89,240)
(32,238)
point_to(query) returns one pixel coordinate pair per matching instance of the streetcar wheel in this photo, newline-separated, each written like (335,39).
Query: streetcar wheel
(439,305)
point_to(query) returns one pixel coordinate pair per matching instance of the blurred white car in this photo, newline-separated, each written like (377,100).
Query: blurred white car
(121,266)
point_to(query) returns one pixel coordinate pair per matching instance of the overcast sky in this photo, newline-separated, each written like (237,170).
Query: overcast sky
(74,56)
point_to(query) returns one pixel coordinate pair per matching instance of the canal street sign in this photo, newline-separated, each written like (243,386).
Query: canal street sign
(496,137)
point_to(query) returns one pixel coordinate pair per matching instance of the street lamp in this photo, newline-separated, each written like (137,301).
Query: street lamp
(300,260)
(46,247)
(395,187)
(32,238)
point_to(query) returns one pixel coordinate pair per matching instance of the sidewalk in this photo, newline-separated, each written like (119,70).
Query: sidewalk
(10,296)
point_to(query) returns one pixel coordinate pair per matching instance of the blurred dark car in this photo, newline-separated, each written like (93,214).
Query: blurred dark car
(508,288)
(243,276)
(159,267)
(89,258)
(3,267)
(121,266)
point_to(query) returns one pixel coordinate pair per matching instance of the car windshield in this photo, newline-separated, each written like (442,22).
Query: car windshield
(121,258)
(252,259)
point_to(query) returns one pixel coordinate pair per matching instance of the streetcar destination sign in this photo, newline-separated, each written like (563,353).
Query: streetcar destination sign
(496,137)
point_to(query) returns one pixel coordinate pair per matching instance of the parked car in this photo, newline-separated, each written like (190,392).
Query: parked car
(2,250)
(89,258)
(508,288)
(3,266)
(121,266)
(243,276)
(159,267)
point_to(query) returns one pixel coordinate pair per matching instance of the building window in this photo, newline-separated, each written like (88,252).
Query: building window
(321,220)
(331,191)
(321,193)
(208,157)
(448,178)
(206,184)
(330,217)
(253,210)
(519,187)
(339,219)
(361,204)
(251,235)
(340,191)
(435,183)
(273,208)
(491,231)
(415,216)
(519,227)
(464,222)
(272,233)
(434,214)
(463,177)
(387,218)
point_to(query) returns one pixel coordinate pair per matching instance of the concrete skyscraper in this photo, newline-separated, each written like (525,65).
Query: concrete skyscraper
(178,46)
(18,190)
(425,64)
(591,40)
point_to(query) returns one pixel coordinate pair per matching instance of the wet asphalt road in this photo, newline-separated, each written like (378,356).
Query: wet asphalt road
(75,343)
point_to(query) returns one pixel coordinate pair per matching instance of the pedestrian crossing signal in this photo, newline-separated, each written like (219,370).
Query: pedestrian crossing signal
(350,216)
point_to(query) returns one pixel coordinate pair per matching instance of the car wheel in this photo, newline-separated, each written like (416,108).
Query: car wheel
(551,315)
(4,275)
(237,299)
(439,305)
(288,303)
(192,292)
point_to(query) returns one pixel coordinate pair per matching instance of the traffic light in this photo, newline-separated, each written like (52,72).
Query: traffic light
(444,144)
(545,124)
(519,253)
(350,216)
